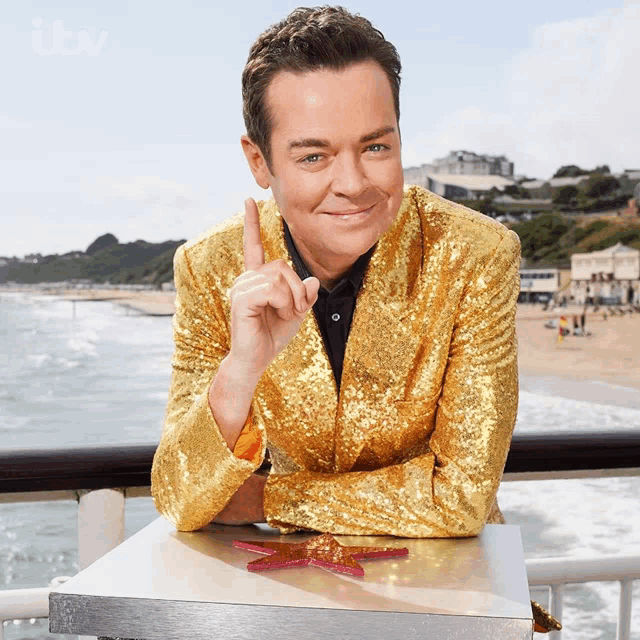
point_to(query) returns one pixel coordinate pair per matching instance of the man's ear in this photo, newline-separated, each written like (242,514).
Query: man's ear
(256,161)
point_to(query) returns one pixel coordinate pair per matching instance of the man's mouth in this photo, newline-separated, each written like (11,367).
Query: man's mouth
(361,213)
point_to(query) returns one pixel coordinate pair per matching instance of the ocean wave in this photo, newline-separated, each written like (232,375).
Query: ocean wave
(541,412)
(41,359)
(83,344)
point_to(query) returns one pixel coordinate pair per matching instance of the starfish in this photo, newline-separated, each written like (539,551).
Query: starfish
(321,551)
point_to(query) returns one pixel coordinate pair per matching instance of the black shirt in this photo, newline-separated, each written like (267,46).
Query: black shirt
(333,309)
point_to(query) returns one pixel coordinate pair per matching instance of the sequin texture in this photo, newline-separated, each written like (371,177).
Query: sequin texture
(416,441)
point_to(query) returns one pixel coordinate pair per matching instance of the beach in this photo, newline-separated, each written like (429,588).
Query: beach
(101,377)
(611,354)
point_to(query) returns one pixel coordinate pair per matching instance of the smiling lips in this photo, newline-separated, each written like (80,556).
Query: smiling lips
(348,213)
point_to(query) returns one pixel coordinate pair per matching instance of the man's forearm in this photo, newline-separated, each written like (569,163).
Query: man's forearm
(230,397)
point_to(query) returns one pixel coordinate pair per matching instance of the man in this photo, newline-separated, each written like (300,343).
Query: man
(404,427)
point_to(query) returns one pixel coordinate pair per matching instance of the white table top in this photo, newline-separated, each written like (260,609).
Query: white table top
(455,581)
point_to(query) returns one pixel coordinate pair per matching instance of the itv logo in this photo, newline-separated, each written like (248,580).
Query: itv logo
(59,37)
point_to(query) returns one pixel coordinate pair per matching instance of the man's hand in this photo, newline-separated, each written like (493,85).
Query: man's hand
(268,303)
(246,506)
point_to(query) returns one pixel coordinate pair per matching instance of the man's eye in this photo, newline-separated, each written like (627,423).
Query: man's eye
(307,160)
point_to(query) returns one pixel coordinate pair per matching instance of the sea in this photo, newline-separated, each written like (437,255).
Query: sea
(102,377)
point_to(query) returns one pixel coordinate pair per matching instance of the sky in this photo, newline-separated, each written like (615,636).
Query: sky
(125,117)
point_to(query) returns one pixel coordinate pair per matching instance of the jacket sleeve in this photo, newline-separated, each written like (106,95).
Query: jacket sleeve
(194,473)
(449,490)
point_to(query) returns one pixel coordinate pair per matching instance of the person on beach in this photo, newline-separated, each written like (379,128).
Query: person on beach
(561,328)
(357,331)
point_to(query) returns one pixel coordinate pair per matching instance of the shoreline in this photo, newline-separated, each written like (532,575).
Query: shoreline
(148,302)
(610,356)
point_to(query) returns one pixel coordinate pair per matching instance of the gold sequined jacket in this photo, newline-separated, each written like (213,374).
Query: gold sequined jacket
(416,441)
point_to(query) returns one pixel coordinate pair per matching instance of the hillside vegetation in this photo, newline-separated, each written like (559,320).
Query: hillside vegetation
(105,260)
(548,240)
(551,238)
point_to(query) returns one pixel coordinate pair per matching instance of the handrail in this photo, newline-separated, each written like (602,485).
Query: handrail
(129,465)
(101,512)
(606,567)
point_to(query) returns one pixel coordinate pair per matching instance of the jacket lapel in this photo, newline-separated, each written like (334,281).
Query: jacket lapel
(378,353)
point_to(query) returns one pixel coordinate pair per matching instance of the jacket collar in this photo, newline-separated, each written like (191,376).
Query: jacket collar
(395,265)
(392,282)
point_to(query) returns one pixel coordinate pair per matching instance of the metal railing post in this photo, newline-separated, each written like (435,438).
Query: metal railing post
(555,607)
(624,613)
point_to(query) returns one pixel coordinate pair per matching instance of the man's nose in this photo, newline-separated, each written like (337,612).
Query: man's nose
(349,176)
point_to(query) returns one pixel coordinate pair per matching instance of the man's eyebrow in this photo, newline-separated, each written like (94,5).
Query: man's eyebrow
(316,142)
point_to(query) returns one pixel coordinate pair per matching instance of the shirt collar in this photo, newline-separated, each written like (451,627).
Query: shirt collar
(355,275)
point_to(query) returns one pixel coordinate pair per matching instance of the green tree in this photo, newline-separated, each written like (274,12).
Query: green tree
(102,242)
(486,206)
(516,191)
(565,195)
(600,185)
(541,233)
(570,171)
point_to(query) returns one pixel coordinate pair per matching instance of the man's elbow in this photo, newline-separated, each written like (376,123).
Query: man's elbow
(468,527)
(184,517)
(181,519)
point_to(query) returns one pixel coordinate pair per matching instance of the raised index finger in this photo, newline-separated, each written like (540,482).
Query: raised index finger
(253,251)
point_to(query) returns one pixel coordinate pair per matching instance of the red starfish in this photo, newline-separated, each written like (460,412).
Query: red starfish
(321,551)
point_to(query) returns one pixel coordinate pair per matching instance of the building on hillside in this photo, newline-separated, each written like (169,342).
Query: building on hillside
(417,175)
(509,204)
(472,164)
(610,276)
(463,174)
(547,188)
(538,189)
(540,285)
(628,179)
(452,186)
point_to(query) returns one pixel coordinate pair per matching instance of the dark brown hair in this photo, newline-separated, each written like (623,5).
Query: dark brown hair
(309,39)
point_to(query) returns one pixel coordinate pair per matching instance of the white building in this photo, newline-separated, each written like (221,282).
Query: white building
(610,276)
(473,164)
(540,285)
(456,186)
(463,174)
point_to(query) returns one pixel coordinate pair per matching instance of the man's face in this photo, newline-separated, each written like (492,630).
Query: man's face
(323,164)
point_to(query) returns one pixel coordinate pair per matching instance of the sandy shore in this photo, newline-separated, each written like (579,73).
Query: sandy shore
(155,303)
(611,354)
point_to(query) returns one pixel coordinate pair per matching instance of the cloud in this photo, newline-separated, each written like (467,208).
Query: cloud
(150,191)
(571,97)
(11,122)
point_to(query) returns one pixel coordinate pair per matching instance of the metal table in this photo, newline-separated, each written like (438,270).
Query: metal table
(165,584)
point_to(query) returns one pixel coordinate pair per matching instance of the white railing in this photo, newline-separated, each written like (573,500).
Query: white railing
(101,528)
